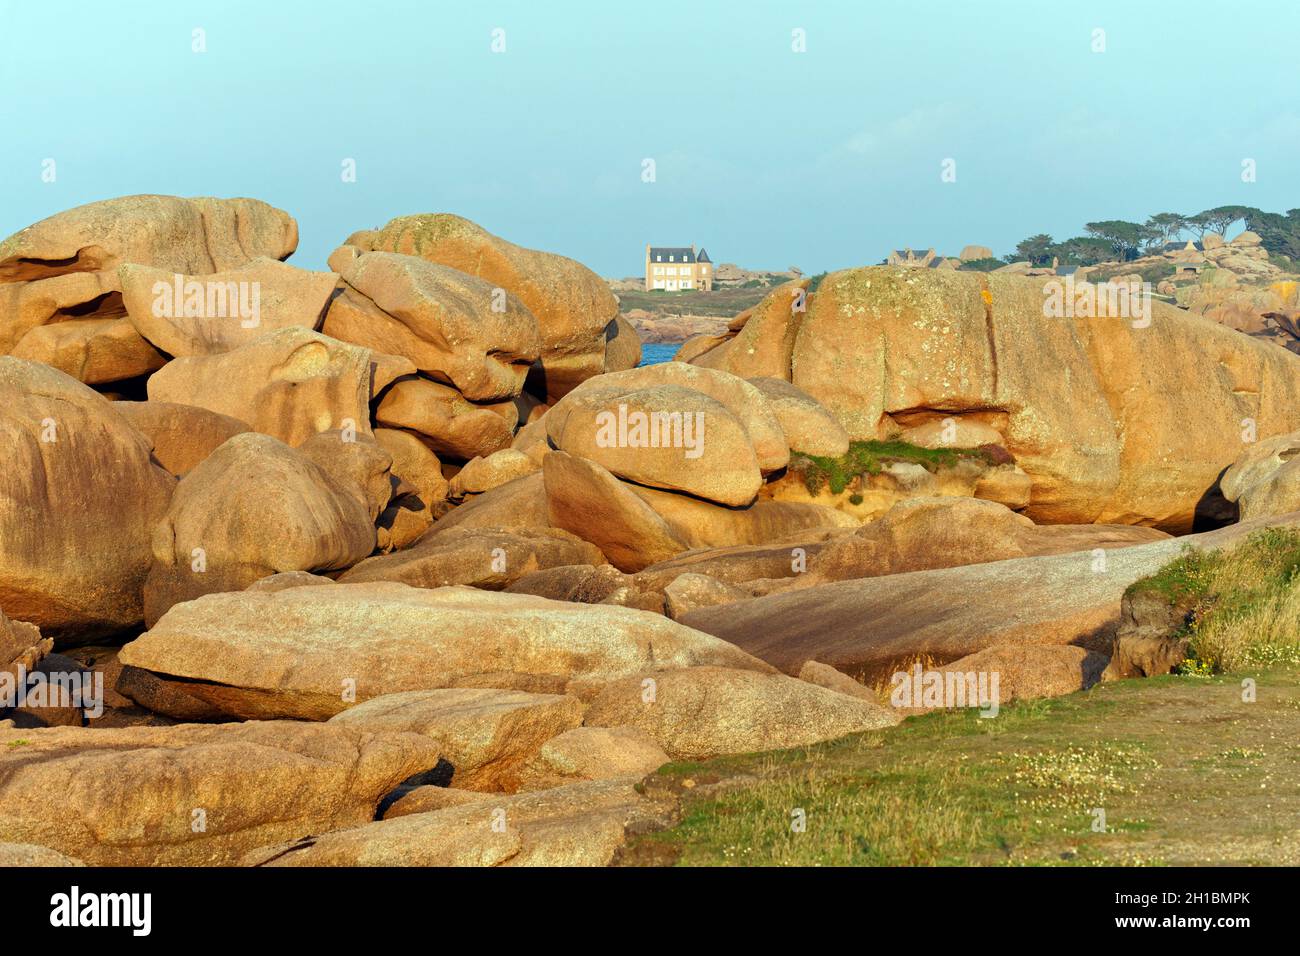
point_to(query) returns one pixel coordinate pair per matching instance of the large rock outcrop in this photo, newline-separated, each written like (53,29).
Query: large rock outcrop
(583,824)
(79,498)
(808,426)
(584,498)
(666,437)
(486,735)
(191,794)
(256,507)
(421,488)
(449,423)
(94,351)
(592,753)
(21,646)
(573,306)
(759,341)
(1265,480)
(636,526)
(290,384)
(191,236)
(489,558)
(454,327)
(210,314)
(65,269)
(701,712)
(1091,398)
(916,535)
(868,627)
(311,652)
(927,533)
(182,435)
(745,402)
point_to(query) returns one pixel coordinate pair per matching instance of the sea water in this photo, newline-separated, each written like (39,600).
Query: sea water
(654,353)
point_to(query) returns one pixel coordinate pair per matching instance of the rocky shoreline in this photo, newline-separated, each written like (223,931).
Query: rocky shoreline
(410,562)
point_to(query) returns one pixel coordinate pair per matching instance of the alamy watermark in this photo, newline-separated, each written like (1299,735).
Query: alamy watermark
(208,299)
(945,689)
(83,690)
(638,429)
(1086,300)
(74,908)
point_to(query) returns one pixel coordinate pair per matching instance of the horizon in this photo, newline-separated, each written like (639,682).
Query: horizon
(849,151)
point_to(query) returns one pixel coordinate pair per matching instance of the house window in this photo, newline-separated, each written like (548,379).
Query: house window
(704,270)
(659,283)
(659,258)
(659,270)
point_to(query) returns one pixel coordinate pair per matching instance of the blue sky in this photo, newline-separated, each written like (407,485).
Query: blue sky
(769,158)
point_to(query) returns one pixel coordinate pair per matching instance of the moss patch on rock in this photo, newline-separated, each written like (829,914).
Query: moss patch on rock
(871,457)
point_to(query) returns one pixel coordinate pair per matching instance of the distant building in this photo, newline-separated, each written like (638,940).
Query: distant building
(673,268)
(911,258)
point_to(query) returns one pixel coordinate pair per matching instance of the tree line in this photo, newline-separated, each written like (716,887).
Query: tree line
(1116,239)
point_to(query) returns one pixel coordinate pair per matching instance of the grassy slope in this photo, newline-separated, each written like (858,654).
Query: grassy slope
(722,303)
(1186,771)
(1244,602)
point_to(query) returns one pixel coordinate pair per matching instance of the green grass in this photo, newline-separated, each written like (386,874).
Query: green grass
(1283,262)
(1185,771)
(1185,579)
(767,281)
(870,458)
(1153,272)
(721,303)
(981,265)
(1244,602)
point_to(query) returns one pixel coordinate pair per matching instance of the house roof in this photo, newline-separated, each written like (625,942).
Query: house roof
(679,253)
(1179,246)
(702,256)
